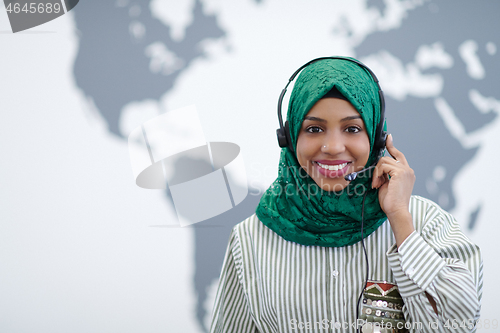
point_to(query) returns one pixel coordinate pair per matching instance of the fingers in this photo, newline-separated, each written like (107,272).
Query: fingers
(386,167)
(396,154)
(391,167)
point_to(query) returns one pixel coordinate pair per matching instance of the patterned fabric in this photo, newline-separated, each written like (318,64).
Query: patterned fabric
(383,303)
(270,285)
(295,207)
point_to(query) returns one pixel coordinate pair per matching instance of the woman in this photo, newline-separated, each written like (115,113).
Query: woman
(299,264)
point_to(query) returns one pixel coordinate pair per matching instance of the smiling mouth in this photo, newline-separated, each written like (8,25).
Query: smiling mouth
(332,170)
(332,167)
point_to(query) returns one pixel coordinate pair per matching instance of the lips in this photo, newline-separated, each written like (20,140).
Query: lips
(332,169)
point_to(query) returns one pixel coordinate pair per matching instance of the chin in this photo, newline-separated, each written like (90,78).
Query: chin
(333,186)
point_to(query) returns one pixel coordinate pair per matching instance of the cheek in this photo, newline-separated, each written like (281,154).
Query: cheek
(361,149)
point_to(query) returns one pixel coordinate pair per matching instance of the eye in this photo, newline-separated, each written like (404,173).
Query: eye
(313,129)
(353,129)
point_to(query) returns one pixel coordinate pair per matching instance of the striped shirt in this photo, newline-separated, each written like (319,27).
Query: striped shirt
(269,284)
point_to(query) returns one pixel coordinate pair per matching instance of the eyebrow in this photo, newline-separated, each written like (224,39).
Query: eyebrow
(324,121)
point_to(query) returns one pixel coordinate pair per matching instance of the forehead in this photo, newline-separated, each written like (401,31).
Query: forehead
(333,109)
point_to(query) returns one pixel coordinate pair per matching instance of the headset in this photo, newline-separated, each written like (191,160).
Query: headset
(283,133)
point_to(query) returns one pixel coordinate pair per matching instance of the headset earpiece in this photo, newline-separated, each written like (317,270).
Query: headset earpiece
(282,137)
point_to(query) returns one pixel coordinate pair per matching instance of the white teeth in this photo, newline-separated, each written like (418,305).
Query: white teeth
(332,167)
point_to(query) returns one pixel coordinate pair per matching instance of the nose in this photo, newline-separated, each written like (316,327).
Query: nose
(333,144)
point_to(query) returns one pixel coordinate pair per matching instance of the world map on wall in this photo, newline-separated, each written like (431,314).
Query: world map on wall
(438,94)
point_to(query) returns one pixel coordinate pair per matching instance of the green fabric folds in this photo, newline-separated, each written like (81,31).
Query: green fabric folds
(294,206)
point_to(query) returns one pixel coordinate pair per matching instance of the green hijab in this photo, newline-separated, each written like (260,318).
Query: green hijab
(294,206)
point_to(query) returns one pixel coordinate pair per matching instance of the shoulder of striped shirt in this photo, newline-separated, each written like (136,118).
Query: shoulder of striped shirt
(425,200)
(249,224)
(252,228)
(429,211)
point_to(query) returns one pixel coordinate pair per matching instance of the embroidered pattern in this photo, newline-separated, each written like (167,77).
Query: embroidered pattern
(383,304)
